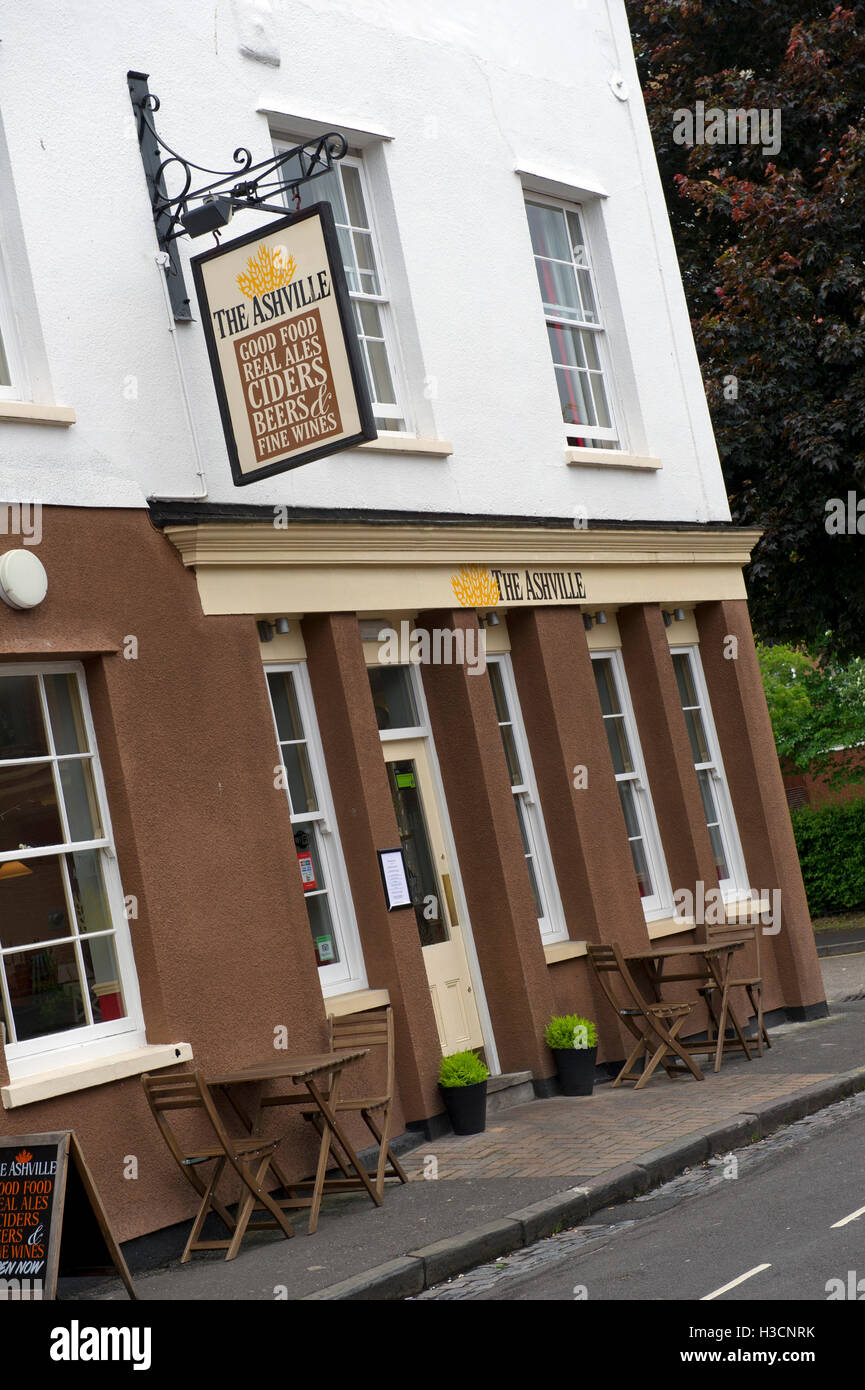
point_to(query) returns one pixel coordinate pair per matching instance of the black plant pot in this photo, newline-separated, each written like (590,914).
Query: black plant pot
(466,1107)
(576,1069)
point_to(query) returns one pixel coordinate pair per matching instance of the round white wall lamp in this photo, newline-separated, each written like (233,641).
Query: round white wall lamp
(23,580)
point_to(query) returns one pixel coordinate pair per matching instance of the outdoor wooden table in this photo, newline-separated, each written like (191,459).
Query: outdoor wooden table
(718,956)
(305,1072)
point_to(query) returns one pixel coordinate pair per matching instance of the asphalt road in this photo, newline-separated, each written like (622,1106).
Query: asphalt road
(773,1232)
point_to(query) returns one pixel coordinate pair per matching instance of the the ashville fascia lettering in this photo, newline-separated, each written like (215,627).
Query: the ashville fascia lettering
(532,585)
(298,294)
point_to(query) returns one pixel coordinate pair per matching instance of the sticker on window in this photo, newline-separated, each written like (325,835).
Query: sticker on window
(307,872)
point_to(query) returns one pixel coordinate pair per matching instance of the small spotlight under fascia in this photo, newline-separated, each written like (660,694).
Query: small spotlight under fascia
(600,617)
(283,626)
(492,620)
(679,615)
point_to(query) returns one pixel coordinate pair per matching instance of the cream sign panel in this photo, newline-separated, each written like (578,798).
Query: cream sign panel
(282,345)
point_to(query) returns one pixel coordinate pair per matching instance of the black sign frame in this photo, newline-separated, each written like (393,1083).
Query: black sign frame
(339,285)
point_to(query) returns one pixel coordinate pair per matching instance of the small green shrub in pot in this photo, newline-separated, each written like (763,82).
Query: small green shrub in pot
(573,1041)
(570,1030)
(462,1069)
(463,1084)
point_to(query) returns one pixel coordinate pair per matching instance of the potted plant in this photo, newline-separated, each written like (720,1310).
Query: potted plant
(573,1042)
(463,1084)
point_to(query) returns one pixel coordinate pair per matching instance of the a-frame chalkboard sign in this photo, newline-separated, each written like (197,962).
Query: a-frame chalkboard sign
(51,1219)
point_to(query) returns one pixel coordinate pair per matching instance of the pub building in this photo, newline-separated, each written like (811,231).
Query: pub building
(504,629)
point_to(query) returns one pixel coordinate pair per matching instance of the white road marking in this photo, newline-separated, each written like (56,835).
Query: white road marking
(733,1282)
(852,1217)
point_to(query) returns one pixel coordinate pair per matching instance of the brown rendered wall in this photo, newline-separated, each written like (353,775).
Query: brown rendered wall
(364,810)
(585,825)
(483,818)
(791,969)
(203,836)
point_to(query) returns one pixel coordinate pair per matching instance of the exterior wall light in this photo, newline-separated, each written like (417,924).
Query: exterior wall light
(283,626)
(492,620)
(265,631)
(679,614)
(668,617)
(23,580)
(587,621)
(600,617)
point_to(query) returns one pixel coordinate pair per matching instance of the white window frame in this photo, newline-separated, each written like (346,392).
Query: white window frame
(18,389)
(552,924)
(597,436)
(382,410)
(99,1039)
(659,904)
(738,882)
(349,972)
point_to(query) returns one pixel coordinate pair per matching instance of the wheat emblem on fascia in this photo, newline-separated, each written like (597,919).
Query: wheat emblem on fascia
(475,587)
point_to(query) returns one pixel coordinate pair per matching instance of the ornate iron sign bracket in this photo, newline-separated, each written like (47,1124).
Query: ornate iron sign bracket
(208,206)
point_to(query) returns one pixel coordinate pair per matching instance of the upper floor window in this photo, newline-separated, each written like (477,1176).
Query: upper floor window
(717,806)
(11,377)
(66,971)
(574,325)
(640,822)
(345,189)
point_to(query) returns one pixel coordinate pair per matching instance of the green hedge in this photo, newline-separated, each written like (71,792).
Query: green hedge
(831,844)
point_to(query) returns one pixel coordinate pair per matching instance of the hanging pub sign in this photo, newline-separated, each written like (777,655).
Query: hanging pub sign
(283,346)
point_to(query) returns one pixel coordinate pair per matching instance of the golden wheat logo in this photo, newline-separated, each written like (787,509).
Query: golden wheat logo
(475,587)
(269,269)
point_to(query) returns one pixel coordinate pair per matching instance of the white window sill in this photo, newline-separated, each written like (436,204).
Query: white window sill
(407,444)
(669,926)
(82,1075)
(611,458)
(26,413)
(358,1001)
(563,950)
(744,910)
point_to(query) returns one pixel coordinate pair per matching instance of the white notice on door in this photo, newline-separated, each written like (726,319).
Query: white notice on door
(394,878)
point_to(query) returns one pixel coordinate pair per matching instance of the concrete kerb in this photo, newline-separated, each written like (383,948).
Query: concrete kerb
(431,1264)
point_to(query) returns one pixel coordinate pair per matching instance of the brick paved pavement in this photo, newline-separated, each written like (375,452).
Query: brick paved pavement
(585,1136)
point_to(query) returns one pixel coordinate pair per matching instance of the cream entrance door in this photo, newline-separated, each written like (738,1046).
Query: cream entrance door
(433,896)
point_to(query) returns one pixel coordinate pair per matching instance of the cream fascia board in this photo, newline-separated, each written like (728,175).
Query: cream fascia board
(255,568)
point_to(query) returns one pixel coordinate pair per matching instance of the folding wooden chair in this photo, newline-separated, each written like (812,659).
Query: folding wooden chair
(655,1026)
(250,1158)
(751,982)
(372,1030)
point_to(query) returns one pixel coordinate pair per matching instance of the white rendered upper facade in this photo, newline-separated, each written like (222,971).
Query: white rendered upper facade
(511,264)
